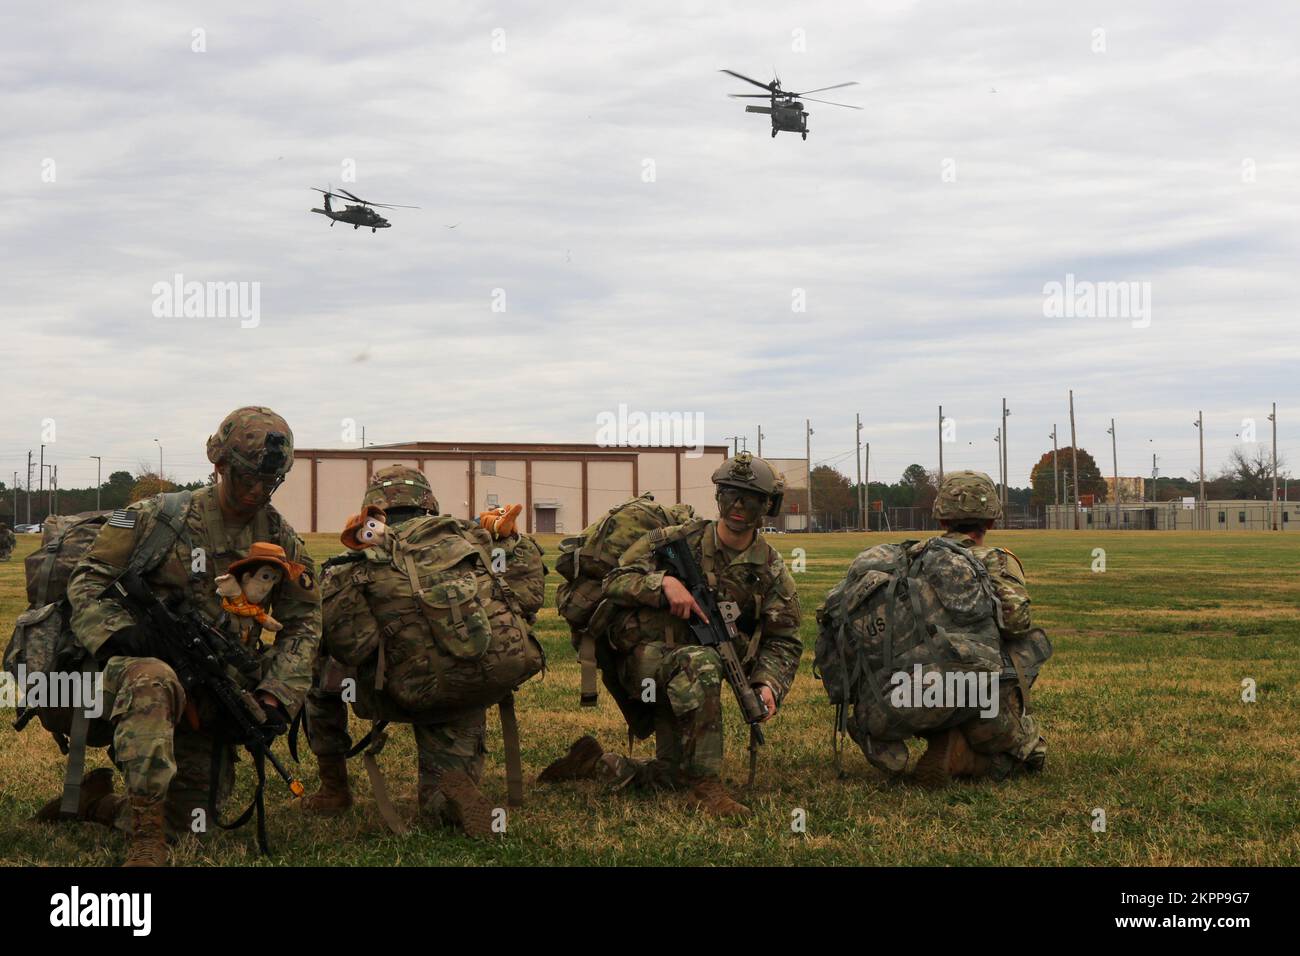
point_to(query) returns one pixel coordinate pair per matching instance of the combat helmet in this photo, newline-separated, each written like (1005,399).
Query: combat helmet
(255,440)
(749,473)
(399,486)
(967,496)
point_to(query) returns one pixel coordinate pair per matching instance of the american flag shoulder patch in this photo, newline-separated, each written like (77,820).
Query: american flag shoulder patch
(122,519)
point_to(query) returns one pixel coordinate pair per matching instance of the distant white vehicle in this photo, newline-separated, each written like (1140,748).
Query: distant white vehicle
(771,530)
(28,529)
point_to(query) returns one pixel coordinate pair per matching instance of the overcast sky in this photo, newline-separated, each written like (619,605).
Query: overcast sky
(1000,147)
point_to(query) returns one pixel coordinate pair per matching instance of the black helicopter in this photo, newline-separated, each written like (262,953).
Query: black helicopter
(359,215)
(785,108)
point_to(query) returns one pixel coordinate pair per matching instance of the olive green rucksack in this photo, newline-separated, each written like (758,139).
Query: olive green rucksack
(583,563)
(453,634)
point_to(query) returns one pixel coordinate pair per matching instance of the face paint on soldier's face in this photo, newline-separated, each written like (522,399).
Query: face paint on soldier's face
(740,510)
(244,492)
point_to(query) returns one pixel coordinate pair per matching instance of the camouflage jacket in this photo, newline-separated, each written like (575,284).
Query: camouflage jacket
(1008,577)
(755,578)
(190,571)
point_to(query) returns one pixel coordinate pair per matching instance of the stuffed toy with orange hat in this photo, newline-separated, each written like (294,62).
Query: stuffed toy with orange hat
(366,529)
(500,522)
(248,582)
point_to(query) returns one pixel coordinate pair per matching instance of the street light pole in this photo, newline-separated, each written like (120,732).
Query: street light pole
(1200,434)
(1273,510)
(1115,462)
(160,465)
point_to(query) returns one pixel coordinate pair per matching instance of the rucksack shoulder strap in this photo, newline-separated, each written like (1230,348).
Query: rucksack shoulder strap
(169,527)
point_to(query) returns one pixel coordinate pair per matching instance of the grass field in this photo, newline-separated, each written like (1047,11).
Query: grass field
(1141,705)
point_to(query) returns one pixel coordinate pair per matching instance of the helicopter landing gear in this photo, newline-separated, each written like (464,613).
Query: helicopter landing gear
(774,134)
(355,228)
(374,230)
(331,223)
(805,134)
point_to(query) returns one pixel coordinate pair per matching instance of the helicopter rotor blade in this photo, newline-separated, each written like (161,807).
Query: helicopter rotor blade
(823,89)
(748,79)
(384,205)
(750,96)
(350,196)
(813,99)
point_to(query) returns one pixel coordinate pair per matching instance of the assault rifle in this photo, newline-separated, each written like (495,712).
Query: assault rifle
(200,654)
(718,632)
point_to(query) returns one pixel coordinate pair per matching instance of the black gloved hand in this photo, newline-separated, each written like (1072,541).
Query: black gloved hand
(276,722)
(132,641)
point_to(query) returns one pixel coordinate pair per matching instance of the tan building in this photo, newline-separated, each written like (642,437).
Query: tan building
(1130,489)
(1181,515)
(794,509)
(563,487)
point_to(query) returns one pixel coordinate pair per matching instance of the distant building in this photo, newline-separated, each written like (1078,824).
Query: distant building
(1180,515)
(563,487)
(1130,489)
(794,509)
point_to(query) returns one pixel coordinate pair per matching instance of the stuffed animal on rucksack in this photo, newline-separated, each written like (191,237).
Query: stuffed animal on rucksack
(902,607)
(452,633)
(584,561)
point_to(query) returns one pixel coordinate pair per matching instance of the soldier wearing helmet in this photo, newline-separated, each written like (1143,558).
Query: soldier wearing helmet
(967,507)
(162,740)
(654,647)
(357,586)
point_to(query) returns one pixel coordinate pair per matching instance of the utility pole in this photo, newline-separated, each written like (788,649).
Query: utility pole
(1114,455)
(160,467)
(1056,478)
(866,490)
(1153,477)
(761,436)
(1006,471)
(99,478)
(40,486)
(807,438)
(1273,510)
(1002,480)
(1200,434)
(54,487)
(735,443)
(857,457)
(27,486)
(940,444)
(1074,453)
(15,497)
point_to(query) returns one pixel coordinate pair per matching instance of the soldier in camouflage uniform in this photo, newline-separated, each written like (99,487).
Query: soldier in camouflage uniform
(450,752)
(7,541)
(967,506)
(159,740)
(656,650)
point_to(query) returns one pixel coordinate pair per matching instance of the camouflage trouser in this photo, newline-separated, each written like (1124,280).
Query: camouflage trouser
(160,757)
(1011,739)
(457,744)
(686,683)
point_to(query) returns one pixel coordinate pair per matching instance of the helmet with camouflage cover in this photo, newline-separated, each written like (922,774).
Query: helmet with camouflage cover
(967,496)
(398,486)
(750,473)
(254,439)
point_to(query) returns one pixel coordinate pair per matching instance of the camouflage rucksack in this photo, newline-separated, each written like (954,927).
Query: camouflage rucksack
(899,606)
(453,632)
(583,563)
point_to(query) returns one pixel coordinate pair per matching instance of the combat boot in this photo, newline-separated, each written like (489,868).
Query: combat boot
(580,763)
(465,803)
(948,755)
(148,846)
(334,795)
(97,802)
(708,795)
